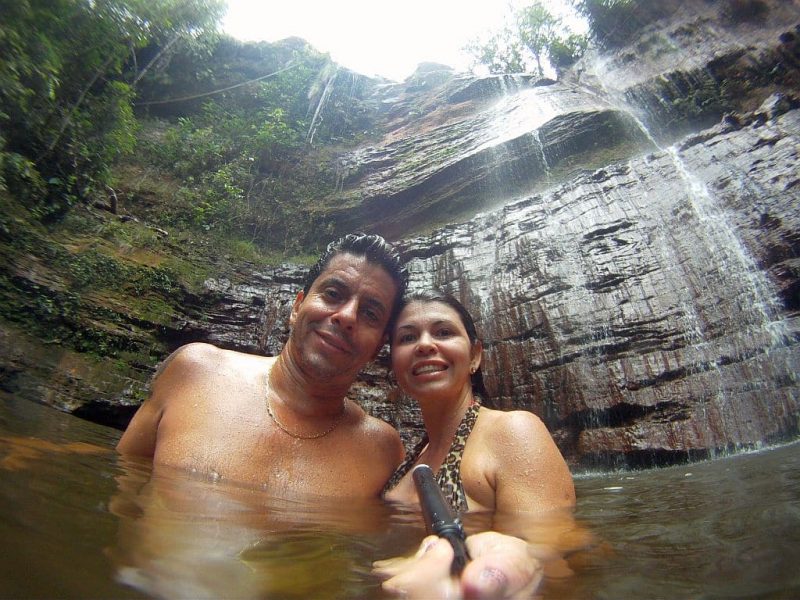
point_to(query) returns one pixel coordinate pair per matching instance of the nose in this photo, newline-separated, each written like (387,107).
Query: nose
(425,344)
(345,317)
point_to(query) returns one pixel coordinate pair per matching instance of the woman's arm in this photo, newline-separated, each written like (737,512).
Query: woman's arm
(529,472)
(520,460)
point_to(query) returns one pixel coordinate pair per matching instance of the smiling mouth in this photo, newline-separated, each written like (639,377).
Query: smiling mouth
(334,342)
(428,369)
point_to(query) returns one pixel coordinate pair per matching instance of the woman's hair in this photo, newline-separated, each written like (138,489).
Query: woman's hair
(428,296)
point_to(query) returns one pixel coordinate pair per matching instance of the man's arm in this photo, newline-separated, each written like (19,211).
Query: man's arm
(141,436)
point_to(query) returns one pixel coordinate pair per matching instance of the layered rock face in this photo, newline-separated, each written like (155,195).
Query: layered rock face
(646,310)
(627,239)
(634,266)
(633,263)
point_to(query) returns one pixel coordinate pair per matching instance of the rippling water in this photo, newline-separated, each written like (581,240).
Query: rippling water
(79,523)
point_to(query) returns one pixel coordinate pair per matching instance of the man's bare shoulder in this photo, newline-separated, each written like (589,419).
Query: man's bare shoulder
(200,359)
(380,428)
(380,436)
(372,425)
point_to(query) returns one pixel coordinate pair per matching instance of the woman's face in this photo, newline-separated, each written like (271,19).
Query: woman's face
(431,351)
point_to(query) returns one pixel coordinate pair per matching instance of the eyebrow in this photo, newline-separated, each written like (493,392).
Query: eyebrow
(372,301)
(434,324)
(375,303)
(331,280)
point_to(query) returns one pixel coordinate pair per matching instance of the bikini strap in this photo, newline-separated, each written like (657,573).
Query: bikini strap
(449,475)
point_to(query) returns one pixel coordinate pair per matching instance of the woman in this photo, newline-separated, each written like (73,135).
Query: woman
(505,462)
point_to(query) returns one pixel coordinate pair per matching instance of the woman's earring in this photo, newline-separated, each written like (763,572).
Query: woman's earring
(472,370)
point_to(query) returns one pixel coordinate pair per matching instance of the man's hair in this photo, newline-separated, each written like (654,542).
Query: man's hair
(376,250)
(428,296)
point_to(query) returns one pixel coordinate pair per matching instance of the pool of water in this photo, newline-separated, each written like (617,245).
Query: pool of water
(78,522)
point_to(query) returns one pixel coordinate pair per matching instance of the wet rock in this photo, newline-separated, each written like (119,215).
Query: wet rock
(627,239)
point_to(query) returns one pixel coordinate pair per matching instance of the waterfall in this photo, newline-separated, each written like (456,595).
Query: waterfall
(328,75)
(760,297)
(623,303)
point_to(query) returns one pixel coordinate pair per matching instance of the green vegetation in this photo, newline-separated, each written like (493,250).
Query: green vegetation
(249,158)
(536,40)
(141,154)
(614,22)
(67,81)
(532,40)
(224,133)
(80,295)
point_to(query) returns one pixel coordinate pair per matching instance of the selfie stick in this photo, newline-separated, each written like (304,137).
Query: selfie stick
(439,519)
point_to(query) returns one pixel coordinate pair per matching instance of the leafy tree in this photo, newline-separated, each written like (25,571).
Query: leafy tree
(501,53)
(613,22)
(564,51)
(241,157)
(537,30)
(67,81)
(534,40)
(249,141)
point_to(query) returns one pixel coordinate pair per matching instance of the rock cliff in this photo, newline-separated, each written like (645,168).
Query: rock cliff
(634,260)
(627,238)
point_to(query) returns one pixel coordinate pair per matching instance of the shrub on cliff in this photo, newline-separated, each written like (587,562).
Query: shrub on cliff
(613,23)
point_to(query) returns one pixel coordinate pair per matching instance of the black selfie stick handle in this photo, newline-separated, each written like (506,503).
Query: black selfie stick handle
(439,519)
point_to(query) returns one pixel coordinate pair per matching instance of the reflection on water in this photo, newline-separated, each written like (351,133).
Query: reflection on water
(77,523)
(728,528)
(181,537)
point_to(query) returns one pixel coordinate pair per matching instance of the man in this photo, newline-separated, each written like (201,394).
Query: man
(284,424)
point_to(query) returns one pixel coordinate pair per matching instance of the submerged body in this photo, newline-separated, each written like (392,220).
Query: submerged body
(282,424)
(237,440)
(505,461)
(64,515)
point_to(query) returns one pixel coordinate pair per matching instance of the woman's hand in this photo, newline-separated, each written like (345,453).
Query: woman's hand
(502,566)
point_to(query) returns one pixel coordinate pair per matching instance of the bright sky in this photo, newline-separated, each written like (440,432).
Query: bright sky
(372,37)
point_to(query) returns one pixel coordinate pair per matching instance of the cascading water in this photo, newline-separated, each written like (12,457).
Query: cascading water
(624,303)
(328,78)
(752,313)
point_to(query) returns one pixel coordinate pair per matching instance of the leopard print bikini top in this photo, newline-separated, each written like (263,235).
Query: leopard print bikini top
(449,475)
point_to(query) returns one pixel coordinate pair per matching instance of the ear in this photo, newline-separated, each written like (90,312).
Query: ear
(476,355)
(295,307)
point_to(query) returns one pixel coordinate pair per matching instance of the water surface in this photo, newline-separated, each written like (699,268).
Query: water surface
(78,522)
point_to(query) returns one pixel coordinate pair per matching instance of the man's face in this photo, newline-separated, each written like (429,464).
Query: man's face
(339,325)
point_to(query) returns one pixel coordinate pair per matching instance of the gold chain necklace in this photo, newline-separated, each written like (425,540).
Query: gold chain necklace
(297,436)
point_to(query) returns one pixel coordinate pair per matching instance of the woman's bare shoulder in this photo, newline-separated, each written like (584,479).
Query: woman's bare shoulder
(510,425)
(526,462)
(511,434)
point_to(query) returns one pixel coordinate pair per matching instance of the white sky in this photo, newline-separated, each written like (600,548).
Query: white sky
(372,37)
